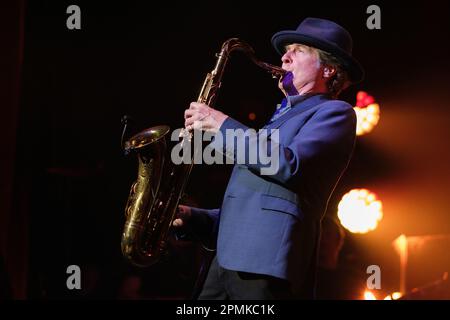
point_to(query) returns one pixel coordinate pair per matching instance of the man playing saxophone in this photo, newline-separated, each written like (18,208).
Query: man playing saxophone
(268,226)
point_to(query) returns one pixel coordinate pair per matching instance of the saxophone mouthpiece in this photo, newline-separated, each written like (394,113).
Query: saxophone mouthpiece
(277,72)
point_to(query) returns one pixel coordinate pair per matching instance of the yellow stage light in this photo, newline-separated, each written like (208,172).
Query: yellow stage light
(369,295)
(359,211)
(393,296)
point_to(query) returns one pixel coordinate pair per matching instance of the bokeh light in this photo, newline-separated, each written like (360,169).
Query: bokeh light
(367,113)
(368,295)
(393,296)
(359,211)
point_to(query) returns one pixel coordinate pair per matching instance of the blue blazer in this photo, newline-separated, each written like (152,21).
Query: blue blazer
(270,224)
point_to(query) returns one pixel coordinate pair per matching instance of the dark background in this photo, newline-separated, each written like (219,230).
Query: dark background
(65,180)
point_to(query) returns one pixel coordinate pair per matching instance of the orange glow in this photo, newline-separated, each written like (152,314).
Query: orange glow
(252,116)
(394,296)
(369,295)
(359,211)
(401,246)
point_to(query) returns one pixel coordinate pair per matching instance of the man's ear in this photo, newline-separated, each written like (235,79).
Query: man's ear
(328,71)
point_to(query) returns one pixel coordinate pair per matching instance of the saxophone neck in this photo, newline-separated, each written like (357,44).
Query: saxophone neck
(235,43)
(213,79)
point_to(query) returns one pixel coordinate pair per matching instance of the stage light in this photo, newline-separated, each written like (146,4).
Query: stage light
(369,295)
(367,113)
(394,296)
(252,116)
(359,211)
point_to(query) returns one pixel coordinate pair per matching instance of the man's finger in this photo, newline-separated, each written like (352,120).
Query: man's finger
(177,223)
(198,125)
(195,105)
(189,113)
(195,117)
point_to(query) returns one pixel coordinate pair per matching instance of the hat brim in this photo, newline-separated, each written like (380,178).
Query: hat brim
(351,65)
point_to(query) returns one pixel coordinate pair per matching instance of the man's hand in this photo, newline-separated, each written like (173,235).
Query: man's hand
(182,216)
(200,116)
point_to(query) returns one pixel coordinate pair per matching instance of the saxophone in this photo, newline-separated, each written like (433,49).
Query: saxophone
(155,195)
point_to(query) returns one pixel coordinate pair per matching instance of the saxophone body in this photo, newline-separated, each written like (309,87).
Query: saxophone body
(155,195)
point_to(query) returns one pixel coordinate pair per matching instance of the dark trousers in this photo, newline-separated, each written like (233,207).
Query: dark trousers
(223,284)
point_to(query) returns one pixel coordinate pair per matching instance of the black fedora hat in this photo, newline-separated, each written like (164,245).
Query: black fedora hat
(327,36)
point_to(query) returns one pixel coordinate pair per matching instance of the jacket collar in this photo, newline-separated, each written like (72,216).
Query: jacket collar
(297,108)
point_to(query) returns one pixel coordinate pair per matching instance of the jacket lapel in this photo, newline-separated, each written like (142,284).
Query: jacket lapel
(297,109)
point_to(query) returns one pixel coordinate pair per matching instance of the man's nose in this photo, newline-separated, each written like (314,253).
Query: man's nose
(286,58)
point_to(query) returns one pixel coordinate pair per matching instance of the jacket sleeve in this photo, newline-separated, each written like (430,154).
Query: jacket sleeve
(202,226)
(203,221)
(327,136)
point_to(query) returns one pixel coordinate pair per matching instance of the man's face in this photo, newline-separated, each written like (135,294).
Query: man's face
(305,65)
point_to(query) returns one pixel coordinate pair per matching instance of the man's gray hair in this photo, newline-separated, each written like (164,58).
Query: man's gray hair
(340,79)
